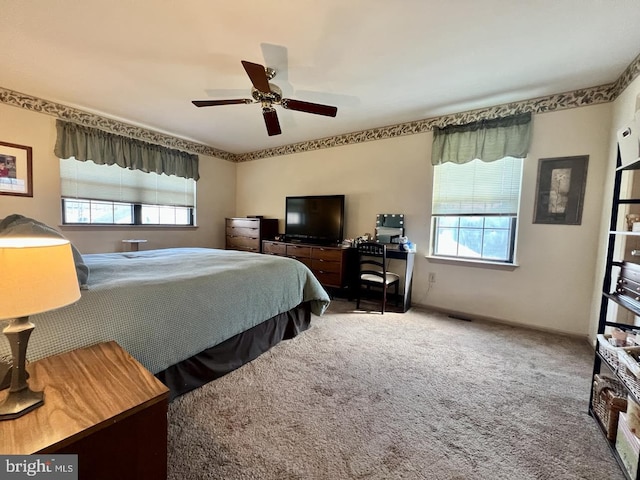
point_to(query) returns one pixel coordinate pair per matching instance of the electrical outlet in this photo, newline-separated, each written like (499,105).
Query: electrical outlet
(432,277)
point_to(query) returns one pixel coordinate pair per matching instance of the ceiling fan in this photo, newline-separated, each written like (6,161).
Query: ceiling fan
(269,95)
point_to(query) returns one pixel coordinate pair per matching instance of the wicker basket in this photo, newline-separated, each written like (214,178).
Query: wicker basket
(608,351)
(629,369)
(609,399)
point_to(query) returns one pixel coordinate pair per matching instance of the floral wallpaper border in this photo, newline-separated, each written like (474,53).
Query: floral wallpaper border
(87,119)
(559,101)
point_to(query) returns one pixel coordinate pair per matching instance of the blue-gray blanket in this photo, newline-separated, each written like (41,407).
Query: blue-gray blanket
(164,306)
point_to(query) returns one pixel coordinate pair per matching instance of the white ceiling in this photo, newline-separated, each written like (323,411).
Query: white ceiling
(380,62)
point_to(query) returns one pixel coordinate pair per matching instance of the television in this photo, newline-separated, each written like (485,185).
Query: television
(315,219)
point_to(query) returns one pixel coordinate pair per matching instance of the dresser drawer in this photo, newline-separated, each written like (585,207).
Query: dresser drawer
(243,243)
(243,223)
(329,279)
(298,251)
(243,232)
(306,261)
(326,265)
(274,248)
(332,254)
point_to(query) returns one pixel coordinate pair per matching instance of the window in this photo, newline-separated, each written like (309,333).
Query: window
(475,209)
(112,195)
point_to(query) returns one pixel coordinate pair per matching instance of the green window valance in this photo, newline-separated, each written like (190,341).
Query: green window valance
(103,148)
(487,140)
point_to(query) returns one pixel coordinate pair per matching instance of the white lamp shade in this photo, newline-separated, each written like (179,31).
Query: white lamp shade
(36,275)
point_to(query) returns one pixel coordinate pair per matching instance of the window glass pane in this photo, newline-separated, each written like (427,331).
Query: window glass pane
(77,211)
(496,244)
(497,222)
(471,222)
(182,216)
(446,241)
(477,243)
(150,214)
(167,215)
(470,242)
(123,213)
(101,212)
(448,221)
(117,213)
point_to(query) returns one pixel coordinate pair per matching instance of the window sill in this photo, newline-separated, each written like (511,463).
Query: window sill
(472,263)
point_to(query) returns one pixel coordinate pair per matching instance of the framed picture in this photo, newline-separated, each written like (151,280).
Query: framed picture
(15,170)
(560,190)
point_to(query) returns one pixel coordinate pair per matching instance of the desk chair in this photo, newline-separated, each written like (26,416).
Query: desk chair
(372,258)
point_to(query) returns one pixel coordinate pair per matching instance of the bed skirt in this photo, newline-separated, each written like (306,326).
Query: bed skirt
(216,361)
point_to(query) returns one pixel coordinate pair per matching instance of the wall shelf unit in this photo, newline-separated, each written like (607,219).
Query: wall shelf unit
(620,307)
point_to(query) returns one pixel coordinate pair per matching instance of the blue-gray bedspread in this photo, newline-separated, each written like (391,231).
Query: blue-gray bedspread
(164,306)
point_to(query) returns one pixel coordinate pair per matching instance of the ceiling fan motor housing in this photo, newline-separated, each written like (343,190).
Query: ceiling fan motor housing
(274,96)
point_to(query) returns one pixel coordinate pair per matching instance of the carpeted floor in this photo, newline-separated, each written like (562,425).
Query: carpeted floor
(400,396)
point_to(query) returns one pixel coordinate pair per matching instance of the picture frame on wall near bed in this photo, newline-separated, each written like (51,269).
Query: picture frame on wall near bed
(16,177)
(560,190)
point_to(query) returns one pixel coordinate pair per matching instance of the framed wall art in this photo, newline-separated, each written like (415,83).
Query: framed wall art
(15,170)
(560,190)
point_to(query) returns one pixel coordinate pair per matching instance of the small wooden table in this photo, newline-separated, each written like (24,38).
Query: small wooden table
(134,243)
(100,404)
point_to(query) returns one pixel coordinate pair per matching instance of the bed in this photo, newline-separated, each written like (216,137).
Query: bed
(189,315)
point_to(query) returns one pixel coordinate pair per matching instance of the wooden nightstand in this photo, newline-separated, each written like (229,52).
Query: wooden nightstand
(101,404)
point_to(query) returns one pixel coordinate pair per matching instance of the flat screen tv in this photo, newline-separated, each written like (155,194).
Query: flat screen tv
(315,219)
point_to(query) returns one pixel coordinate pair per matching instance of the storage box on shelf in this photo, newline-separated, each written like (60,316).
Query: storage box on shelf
(627,446)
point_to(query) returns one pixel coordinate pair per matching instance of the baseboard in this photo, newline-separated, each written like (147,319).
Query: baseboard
(474,317)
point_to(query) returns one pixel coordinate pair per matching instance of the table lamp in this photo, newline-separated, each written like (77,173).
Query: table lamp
(36,275)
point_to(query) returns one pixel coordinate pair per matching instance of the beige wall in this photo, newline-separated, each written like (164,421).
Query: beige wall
(553,285)
(215,193)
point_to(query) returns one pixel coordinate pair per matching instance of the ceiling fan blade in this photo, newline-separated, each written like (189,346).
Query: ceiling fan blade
(309,107)
(213,103)
(276,57)
(258,76)
(271,121)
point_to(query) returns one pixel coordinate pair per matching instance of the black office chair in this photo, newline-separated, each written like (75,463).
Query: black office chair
(373,271)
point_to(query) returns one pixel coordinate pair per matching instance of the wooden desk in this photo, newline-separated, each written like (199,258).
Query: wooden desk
(100,404)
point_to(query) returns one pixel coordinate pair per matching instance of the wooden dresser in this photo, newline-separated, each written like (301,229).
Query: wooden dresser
(248,233)
(100,404)
(328,264)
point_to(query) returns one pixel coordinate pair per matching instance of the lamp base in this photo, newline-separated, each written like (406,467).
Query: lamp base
(21,399)
(18,403)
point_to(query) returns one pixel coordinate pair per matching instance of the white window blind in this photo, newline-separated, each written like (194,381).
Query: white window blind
(111,182)
(477,187)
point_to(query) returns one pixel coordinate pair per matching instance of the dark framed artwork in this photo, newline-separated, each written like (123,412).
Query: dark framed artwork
(15,170)
(560,190)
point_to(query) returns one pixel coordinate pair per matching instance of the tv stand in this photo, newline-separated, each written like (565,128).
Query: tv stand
(330,264)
